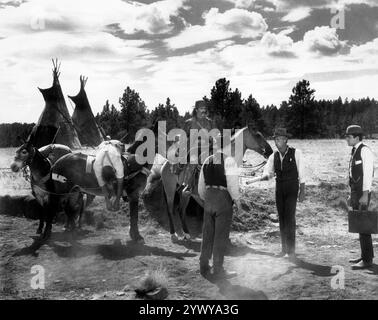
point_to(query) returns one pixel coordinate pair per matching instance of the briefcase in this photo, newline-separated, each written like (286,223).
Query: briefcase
(365,222)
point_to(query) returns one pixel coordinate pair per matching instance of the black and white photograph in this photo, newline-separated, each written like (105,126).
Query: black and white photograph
(184,155)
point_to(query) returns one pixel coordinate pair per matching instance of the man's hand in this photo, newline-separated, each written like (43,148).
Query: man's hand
(364,199)
(237,205)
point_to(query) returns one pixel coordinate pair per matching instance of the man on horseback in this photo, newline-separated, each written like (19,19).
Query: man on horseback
(108,168)
(200,120)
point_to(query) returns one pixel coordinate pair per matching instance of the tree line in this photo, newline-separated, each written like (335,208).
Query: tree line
(303,115)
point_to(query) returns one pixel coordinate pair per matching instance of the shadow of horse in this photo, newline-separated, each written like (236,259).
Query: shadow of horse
(316,269)
(67,246)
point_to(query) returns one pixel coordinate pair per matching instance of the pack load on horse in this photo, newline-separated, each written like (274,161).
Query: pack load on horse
(108,167)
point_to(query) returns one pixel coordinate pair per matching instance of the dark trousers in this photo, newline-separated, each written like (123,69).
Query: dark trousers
(366,242)
(216,227)
(286,202)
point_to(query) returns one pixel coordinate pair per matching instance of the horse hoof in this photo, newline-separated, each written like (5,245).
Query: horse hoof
(187,236)
(140,241)
(175,237)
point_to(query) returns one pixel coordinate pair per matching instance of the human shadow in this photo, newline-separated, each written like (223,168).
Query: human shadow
(373,269)
(237,292)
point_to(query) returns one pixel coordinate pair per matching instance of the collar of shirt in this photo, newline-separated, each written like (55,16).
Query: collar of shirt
(357,145)
(283,156)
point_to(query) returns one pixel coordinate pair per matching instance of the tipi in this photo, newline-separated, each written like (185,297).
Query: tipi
(55,123)
(83,118)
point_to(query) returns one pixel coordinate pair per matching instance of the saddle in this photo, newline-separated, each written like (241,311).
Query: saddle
(132,167)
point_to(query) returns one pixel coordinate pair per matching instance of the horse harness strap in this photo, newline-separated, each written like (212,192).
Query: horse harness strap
(59,178)
(216,187)
(144,170)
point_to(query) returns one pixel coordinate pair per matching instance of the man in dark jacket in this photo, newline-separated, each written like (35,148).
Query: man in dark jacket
(361,171)
(286,164)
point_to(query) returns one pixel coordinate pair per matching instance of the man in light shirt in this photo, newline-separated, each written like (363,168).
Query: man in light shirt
(288,167)
(361,172)
(108,168)
(218,186)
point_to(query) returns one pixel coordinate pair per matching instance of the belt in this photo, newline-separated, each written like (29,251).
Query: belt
(216,187)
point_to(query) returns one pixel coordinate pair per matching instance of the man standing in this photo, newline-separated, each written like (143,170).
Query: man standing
(218,186)
(287,165)
(107,167)
(361,171)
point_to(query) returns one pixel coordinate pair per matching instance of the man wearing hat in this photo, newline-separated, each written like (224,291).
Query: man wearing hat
(361,171)
(198,121)
(287,165)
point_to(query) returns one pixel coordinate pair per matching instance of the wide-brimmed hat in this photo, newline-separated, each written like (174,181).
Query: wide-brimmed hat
(282,132)
(200,104)
(354,130)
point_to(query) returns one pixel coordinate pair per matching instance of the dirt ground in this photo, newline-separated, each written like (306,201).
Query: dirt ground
(101,263)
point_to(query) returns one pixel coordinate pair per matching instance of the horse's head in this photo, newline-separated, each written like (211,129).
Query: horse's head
(24,155)
(254,140)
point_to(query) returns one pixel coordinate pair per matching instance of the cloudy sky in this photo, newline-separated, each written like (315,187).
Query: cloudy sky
(179,48)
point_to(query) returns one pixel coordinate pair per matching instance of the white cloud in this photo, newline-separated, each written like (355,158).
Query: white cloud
(297,14)
(243,4)
(278,44)
(323,40)
(88,16)
(221,26)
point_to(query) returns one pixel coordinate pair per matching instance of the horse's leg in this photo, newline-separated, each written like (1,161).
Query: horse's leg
(50,210)
(133,205)
(73,209)
(89,200)
(41,223)
(81,209)
(184,201)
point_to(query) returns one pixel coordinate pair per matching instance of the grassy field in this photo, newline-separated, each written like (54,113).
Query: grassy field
(101,262)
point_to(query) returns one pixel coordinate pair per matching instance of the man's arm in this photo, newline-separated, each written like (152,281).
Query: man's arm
(116,160)
(368,170)
(301,174)
(232,178)
(268,172)
(97,168)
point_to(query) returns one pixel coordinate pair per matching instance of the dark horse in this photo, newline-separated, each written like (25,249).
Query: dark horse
(39,162)
(71,178)
(252,140)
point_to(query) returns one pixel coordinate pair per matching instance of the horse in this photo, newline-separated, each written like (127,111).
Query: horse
(71,179)
(172,182)
(39,162)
